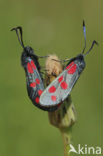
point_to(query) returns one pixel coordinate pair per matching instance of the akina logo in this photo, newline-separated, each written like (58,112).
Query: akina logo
(85,150)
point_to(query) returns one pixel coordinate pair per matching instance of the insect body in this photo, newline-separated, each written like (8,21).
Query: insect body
(61,87)
(31,66)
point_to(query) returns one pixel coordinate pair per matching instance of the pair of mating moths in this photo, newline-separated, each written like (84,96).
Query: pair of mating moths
(49,99)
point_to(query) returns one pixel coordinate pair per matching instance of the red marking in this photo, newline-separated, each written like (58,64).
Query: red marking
(70,65)
(53,98)
(32,64)
(40,92)
(59,104)
(64,85)
(33,84)
(60,79)
(37,99)
(29,67)
(72,69)
(52,89)
(37,81)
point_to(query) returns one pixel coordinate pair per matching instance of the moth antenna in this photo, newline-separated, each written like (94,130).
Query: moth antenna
(19,34)
(84,31)
(93,43)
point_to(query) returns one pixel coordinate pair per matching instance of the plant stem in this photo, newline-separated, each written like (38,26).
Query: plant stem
(64,118)
(66,140)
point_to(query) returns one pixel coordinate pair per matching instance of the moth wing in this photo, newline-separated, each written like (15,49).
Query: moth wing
(35,85)
(70,81)
(51,99)
(60,88)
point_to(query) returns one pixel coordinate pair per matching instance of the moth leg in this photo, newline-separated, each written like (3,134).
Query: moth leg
(43,56)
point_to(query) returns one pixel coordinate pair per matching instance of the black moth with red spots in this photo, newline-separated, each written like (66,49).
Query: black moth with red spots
(62,86)
(34,78)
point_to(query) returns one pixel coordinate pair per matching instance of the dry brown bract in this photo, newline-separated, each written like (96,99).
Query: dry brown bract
(53,67)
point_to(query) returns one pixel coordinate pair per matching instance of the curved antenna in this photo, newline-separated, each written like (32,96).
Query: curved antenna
(84,31)
(19,34)
(93,43)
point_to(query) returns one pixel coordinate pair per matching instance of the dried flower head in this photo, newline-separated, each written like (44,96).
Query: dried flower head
(53,68)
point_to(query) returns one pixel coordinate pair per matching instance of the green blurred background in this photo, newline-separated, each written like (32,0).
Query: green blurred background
(51,27)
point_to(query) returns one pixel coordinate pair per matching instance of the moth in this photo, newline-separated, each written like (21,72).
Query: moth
(30,63)
(62,86)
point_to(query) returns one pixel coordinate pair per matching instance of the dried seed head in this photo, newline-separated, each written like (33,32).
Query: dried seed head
(53,67)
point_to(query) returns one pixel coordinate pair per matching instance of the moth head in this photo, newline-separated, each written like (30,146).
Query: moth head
(80,62)
(29,50)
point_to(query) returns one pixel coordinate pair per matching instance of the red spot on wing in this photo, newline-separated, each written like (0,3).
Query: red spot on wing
(33,84)
(29,67)
(37,81)
(64,85)
(60,79)
(59,104)
(53,98)
(69,65)
(40,92)
(72,69)
(32,64)
(37,99)
(52,89)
